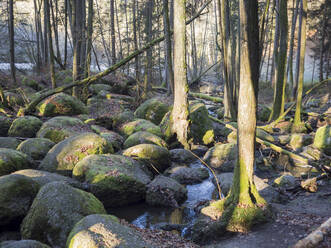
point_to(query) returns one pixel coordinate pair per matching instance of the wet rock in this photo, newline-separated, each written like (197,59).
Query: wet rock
(36,148)
(139,125)
(26,126)
(165,191)
(158,156)
(222,157)
(285,181)
(23,244)
(153,110)
(142,137)
(299,140)
(63,157)
(16,195)
(9,142)
(12,160)
(116,180)
(182,156)
(103,231)
(185,175)
(322,139)
(59,128)
(61,104)
(54,212)
(5,124)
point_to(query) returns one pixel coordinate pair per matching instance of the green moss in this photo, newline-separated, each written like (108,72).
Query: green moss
(322,139)
(26,126)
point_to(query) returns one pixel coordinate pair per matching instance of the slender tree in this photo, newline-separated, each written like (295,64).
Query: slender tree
(11,39)
(112,31)
(50,42)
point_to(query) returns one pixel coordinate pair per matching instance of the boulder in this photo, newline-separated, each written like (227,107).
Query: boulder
(59,128)
(222,157)
(142,137)
(54,212)
(12,160)
(26,126)
(263,113)
(284,139)
(14,99)
(285,181)
(116,180)
(36,148)
(61,104)
(186,175)
(103,231)
(114,139)
(9,142)
(139,125)
(322,139)
(120,83)
(45,177)
(5,124)
(165,191)
(153,110)
(16,195)
(284,127)
(63,157)
(122,118)
(158,156)
(299,140)
(96,88)
(105,107)
(22,244)
(182,156)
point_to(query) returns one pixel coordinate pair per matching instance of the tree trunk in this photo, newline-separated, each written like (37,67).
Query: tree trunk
(297,124)
(11,40)
(89,39)
(276,46)
(279,90)
(50,43)
(179,120)
(135,41)
(324,26)
(37,19)
(112,32)
(65,32)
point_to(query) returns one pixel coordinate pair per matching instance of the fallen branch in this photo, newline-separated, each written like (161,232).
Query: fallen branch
(206,97)
(311,183)
(32,105)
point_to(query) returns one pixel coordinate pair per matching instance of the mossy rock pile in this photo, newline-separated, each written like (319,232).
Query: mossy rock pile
(139,125)
(26,126)
(61,104)
(153,110)
(142,137)
(54,212)
(36,148)
(63,157)
(12,160)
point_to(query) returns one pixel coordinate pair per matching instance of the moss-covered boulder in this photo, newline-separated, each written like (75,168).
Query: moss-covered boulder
(61,104)
(158,156)
(186,175)
(116,180)
(26,126)
(201,126)
(103,231)
(285,181)
(322,139)
(182,156)
(36,148)
(96,88)
(284,139)
(142,137)
(14,99)
(59,128)
(222,157)
(114,139)
(16,195)
(299,140)
(12,160)
(284,127)
(139,125)
(153,110)
(263,113)
(45,177)
(9,142)
(5,124)
(63,157)
(54,212)
(23,244)
(165,191)
(122,118)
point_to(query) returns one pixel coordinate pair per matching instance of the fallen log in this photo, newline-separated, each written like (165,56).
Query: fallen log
(33,104)
(206,97)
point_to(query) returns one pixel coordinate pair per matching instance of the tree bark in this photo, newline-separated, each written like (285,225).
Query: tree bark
(11,40)
(89,39)
(112,32)
(50,43)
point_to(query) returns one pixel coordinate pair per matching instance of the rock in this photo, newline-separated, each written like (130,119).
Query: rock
(284,127)
(142,137)
(116,180)
(11,160)
(105,107)
(232,137)
(165,191)
(199,150)
(16,195)
(139,125)
(59,128)
(322,139)
(63,157)
(153,110)
(9,142)
(222,157)
(263,113)
(284,139)
(285,181)
(122,118)
(158,156)
(313,103)
(22,244)
(299,140)
(114,139)
(5,124)
(26,126)
(185,175)
(61,104)
(120,83)
(103,231)
(201,125)
(96,88)
(45,177)
(54,212)
(14,99)
(36,148)
(182,156)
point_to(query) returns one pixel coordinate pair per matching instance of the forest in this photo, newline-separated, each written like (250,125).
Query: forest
(165,123)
